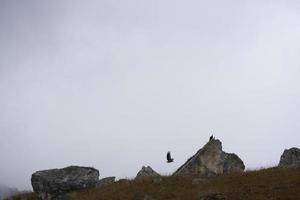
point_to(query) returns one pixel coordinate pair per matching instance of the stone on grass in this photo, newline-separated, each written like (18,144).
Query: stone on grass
(290,158)
(106,181)
(211,160)
(57,184)
(147,172)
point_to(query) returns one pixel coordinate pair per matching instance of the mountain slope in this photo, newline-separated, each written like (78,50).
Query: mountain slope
(273,183)
(7,191)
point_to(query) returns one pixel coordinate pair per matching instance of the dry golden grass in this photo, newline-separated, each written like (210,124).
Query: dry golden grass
(274,183)
(266,184)
(26,196)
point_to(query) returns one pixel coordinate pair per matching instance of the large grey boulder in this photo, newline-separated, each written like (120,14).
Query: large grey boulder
(211,160)
(146,172)
(57,183)
(290,158)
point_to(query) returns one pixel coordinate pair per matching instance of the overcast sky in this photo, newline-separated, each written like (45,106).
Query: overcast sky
(116,84)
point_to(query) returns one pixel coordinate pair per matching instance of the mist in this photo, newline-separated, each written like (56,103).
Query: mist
(116,84)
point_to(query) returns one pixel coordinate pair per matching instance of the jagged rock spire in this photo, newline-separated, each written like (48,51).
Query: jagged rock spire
(211,160)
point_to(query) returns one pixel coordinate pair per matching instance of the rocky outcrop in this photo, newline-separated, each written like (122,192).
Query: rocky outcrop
(57,183)
(211,160)
(290,158)
(106,181)
(146,172)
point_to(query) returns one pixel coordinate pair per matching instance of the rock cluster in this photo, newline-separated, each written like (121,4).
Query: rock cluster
(290,158)
(57,183)
(146,172)
(211,160)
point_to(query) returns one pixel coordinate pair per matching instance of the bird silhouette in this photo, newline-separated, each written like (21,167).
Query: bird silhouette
(169,158)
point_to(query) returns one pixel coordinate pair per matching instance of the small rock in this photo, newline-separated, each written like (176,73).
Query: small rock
(146,172)
(197,181)
(290,158)
(106,181)
(123,180)
(213,197)
(157,180)
(147,197)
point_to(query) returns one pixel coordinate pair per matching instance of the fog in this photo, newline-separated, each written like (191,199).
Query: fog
(116,84)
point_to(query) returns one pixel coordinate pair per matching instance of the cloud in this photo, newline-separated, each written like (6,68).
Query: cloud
(117,84)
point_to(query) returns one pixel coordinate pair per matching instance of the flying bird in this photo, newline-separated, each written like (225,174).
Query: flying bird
(169,159)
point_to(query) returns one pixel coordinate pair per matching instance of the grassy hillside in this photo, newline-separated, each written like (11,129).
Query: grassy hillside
(271,184)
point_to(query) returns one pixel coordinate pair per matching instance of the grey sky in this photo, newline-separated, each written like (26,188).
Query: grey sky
(116,84)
